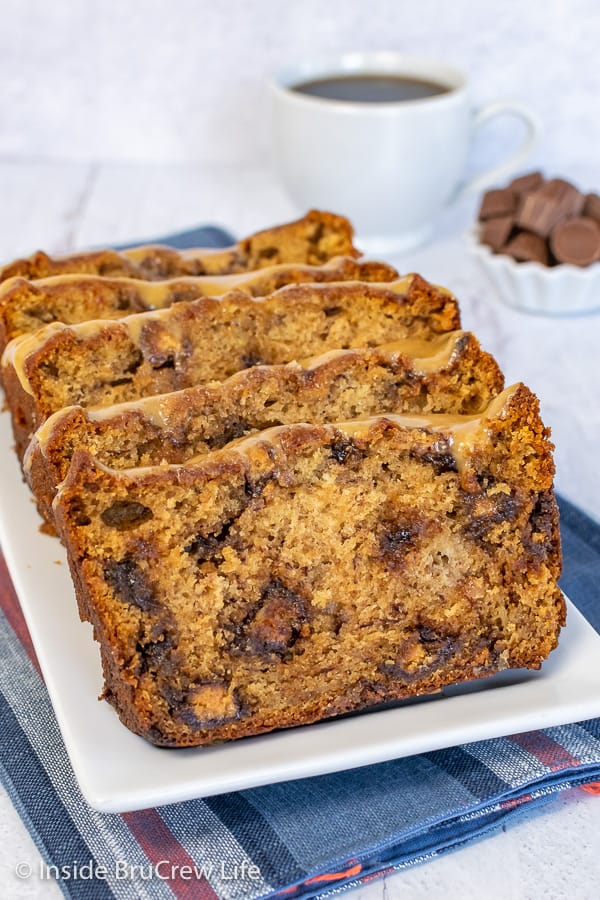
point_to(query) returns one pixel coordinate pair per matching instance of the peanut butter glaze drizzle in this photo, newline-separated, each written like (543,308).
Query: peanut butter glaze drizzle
(462,432)
(17,351)
(425,356)
(461,435)
(20,348)
(142,252)
(157,294)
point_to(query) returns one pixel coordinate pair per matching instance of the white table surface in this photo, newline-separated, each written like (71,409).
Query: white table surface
(554,853)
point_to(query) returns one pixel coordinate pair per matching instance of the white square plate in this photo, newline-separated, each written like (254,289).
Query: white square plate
(118,771)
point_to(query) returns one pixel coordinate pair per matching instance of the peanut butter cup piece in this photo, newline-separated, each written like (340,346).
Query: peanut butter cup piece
(495,232)
(576,241)
(525,183)
(545,207)
(528,247)
(497,203)
(591,207)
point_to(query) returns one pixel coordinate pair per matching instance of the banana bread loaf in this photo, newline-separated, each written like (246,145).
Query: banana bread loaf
(314,239)
(109,361)
(447,374)
(28,305)
(312,570)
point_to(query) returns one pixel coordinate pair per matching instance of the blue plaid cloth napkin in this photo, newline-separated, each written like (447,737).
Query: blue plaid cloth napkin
(308,838)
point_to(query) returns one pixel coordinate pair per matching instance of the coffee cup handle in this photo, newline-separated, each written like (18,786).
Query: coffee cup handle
(497,173)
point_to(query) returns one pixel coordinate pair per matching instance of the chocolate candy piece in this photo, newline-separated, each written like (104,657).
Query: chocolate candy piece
(526,183)
(591,208)
(549,204)
(497,203)
(528,247)
(576,241)
(495,232)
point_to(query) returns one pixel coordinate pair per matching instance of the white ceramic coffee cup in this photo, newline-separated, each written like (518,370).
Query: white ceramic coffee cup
(390,167)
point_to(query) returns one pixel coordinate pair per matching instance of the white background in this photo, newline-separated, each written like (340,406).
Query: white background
(183,81)
(122,120)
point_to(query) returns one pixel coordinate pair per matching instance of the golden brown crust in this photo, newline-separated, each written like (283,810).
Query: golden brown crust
(28,305)
(314,238)
(22,409)
(313,570)
(110,361)
(453,374)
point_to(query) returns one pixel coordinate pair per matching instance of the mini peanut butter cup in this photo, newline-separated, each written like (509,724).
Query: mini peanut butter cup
(526,183)
(576,241)
(545,207)
(528,247)
(496,232)
(498,203)
(591,207)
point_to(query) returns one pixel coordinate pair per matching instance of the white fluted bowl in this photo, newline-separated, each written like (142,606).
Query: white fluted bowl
(528,286)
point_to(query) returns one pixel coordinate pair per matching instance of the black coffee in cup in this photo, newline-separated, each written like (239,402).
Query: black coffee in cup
(367,88)
(383,137)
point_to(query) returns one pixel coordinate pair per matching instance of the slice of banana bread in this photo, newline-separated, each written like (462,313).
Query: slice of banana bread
(447,374)
(311,570)
(314,239)
(28,305)
(109,361)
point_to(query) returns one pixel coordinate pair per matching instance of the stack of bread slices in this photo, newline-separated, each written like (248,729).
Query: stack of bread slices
(289,485)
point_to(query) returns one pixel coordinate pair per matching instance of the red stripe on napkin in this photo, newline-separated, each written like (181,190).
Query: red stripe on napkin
(160,846)
(12,610)
(545,749)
